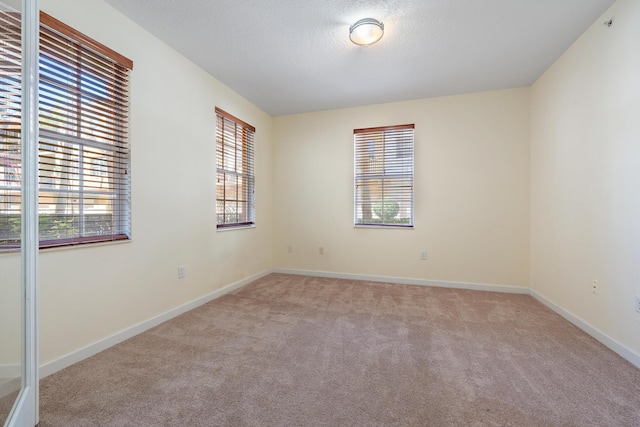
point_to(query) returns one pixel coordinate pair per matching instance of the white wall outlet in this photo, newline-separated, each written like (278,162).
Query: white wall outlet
(181,272)
(289,248)
(423,255)
(638,303)
(321,250)
(595,287)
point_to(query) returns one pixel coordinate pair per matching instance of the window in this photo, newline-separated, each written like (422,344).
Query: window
(383,176)
(235,180)
(83,156)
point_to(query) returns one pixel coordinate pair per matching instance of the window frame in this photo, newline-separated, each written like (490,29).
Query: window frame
(243,137)
(395,147)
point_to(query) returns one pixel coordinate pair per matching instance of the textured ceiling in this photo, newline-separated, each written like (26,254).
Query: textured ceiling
(293,56)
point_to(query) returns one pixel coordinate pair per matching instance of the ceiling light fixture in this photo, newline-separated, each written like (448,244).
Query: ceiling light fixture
(366,31)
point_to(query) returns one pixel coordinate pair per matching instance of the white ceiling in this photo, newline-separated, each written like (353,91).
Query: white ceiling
(294,56)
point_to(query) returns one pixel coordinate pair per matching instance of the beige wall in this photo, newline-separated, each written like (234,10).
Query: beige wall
(89,293)
(471,191)
(585,166)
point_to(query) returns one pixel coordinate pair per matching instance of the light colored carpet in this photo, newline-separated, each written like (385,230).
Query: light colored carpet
(6,403)
(307,351)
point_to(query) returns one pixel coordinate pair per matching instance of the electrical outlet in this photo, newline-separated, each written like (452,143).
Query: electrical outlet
(289,248)
(638,303)
(181,272)
(321,250)
(595,287)
(423,255)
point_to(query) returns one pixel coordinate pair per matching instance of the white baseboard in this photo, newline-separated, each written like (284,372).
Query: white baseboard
(614,345)
(409,281)
(76,356)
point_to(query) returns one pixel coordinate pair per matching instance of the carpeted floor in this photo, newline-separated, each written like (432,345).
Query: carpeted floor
(307,351)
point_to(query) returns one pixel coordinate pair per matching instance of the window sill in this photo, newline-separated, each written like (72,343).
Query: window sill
(67,247)
(386,227)
(238,227)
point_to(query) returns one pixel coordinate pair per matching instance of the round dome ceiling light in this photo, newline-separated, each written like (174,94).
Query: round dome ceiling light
(366,31)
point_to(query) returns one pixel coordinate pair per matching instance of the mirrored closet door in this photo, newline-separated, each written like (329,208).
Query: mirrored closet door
(18,207)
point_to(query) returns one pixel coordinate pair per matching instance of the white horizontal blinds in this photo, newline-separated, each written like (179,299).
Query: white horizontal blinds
(10,127)
(235,179)
(84,180)
(383,181)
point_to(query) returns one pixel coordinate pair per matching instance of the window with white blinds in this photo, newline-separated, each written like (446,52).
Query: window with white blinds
(383,176)
(84,176)
(235,180)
